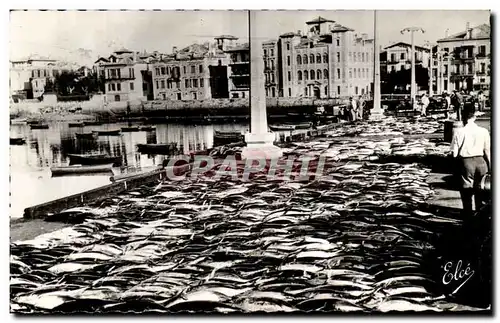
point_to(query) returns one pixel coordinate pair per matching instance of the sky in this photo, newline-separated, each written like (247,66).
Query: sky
(60,34)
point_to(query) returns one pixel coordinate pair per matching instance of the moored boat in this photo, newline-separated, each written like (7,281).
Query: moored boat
(76,124)
(282,127)
(227,137)
(94,159)
(18,121)
(30,122)
(303,125)
(17,141)
(81,169)
(160,149)
(93,123)
(108,132)
(86,135)
(130,129)
(39,126)
(147,128)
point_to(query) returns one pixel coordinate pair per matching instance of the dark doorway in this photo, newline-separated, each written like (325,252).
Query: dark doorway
(317,92)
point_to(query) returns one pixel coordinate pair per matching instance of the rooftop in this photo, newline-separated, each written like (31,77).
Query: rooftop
(403,44)
(318,20)
(226,37)
(479,32)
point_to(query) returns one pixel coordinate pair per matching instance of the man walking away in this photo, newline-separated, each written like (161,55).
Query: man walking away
(471,148)
(361,105)
(482,100)
(457,101)
(424,104)
(354,108)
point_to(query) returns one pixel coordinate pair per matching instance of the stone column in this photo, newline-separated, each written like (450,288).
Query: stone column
(259,140)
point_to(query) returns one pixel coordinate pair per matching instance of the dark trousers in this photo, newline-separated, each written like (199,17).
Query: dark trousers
(471,171)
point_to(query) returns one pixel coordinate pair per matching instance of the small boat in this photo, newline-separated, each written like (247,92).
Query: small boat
(17,141)
(86,135)
(18,121)
(282,127)
(159,149)
(227,137)
(30,122)
(76,124)
(147,128)
(303,125)
(39,126)
(108,132)
(81,169)
(93,123)
(94,159)
(130,129)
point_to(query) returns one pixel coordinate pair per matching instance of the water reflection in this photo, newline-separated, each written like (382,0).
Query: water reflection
(31,182)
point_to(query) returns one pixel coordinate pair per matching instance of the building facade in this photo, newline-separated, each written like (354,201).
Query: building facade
(28,77)
(197,72)
(467,65)
(398,57)
(330,61)
(239,71)
(271,71)
(125,76)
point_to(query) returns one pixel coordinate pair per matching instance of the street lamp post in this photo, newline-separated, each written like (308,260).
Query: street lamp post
(412,31)
(430,68)
(376,112)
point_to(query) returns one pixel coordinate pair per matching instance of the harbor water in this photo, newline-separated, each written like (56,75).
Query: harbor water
(31,182)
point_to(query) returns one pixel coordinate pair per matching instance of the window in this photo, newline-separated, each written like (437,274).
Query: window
(306,75)
(163,96)
(338,73)
(299,60)
(265,65)
(318,58)
(113,87)
(38,73)
(131,86)
(355,74)
(312,74)
(200,68)
(325,74)
(350,73)
(273,92)
(243,95)
(195,97)
(338,44)
(326,90)
(184,69)
(186,84)
(304,59)
(445,69)
(118,87)
(356,90)
(311,59)
(117,97)
(267,92)
(195,83)
(402,56)
(482,51)
(201,83)
(393,57)
(325,58)
(338,90)
(109,86)
(289,92)
(272,78)
(193,69)
(289,76)
(318,74)
(272,52)
(131,72)
(354,56)
(162,84)
(338,57)
(265,52)
(305,91)
(287,46)
(179,96)
(162,69)
(288,60)
(446,49)
(157,71)
(266,76)
(272,64)
(483,67)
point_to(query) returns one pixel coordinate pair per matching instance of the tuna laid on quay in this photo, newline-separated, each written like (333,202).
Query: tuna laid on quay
(356,238)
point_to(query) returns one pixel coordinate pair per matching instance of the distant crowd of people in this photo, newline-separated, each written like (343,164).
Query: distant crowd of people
(355,109)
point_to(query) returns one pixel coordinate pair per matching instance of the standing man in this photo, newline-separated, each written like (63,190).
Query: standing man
(471,148)
(457,101)
(482,100)
(361,105)
(354,108)
(424,104)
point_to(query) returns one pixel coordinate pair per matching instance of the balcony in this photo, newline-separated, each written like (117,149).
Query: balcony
(239,63)
(119,77)
(392,62)
(481,73)
(239,75)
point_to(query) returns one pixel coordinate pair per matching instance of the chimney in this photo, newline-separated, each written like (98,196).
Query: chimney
(174,50)
(299,32)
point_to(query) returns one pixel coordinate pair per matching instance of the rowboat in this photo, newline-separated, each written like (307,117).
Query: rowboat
(130,129)
(227,137)
(86,135)
(147,128)
(18,121)
(76,124)
(81,169)
(39,126)
(30,122)
(282,127)
(94,159)
(93,123)
(160,149)
(303,125)
(107,132)
(17,141)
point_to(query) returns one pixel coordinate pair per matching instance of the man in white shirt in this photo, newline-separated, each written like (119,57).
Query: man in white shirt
(471,147)
(424,104)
